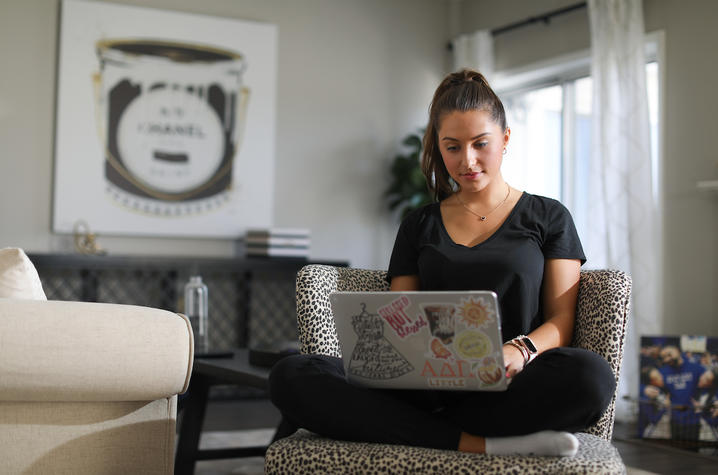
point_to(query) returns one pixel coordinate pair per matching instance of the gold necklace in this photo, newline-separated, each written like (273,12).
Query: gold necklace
(480,216)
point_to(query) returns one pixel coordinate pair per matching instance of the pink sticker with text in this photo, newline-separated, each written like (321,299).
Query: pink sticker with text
(399,320)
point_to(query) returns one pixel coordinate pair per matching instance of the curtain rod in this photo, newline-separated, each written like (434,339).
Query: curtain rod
(544,18)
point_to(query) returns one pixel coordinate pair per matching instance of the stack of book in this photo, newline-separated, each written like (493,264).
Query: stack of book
(278,242)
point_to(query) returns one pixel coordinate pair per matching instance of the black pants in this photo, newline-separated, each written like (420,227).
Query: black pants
(563,389)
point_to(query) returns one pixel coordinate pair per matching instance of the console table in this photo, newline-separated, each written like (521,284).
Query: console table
(251,299)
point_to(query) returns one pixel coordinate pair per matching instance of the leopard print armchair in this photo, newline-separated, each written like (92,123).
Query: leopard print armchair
(603,305)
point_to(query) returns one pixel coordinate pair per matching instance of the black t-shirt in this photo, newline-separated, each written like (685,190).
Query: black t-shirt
(510,262)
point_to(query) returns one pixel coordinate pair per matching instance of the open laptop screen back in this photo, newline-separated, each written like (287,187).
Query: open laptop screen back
(421,340)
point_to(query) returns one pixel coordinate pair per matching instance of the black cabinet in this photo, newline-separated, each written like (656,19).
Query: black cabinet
(251,300)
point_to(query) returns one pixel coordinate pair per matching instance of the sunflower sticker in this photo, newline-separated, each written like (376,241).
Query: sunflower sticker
(477,312)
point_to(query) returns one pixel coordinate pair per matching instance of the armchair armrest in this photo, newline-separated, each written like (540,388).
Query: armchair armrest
(601,316)
(317,332)
(602,313)
(74,351)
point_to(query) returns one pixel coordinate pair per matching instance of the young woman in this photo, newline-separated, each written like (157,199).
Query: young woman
(480,234)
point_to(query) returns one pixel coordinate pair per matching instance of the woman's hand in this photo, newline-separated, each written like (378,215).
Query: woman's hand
(513,360)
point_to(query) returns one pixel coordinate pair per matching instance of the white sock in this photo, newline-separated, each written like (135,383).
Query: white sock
(546,442)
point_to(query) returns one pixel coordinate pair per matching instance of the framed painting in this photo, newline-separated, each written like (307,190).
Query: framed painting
(165,122)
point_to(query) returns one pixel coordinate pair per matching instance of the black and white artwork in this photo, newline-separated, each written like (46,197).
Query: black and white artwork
(165,122)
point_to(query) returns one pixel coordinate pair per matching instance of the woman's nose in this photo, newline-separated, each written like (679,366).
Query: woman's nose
(468,158)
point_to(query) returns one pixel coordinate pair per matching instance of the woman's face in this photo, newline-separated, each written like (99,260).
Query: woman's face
(472,147)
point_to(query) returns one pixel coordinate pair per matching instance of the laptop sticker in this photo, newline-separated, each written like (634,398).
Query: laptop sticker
(459,351)
(449,374)
(399,320)
(441,320)
(476,313)
(374,357)
(473,345)
(488,370)
(438,350)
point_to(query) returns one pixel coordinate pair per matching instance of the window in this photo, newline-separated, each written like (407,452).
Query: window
(535,144)
(548,109)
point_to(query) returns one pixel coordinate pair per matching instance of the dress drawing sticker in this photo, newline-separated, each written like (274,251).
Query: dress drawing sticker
(374,357)
(477,312)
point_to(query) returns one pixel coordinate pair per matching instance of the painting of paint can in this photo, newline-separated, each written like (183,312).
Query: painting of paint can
(165,122)
(170,117)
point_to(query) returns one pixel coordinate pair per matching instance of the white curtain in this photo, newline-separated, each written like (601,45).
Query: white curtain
(624,231)
(475,51)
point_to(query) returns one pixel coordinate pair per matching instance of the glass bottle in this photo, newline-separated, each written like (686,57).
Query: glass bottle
(196,307)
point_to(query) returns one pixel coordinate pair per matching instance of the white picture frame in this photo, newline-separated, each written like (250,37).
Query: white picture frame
(165,122)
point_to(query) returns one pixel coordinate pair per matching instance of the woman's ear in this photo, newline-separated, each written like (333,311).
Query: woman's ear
(507,134)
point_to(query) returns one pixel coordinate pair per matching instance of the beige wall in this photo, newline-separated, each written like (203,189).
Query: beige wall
(690,216)
(691,122)
(354,78)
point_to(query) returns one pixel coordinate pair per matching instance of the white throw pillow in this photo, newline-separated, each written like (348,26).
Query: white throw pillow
(18,276)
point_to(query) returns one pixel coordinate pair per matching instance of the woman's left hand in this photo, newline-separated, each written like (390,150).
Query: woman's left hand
(513,360)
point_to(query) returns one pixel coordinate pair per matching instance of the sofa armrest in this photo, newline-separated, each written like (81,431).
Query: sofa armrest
(75,351)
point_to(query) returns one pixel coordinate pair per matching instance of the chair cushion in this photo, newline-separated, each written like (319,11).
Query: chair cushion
(18,276)
(308,453)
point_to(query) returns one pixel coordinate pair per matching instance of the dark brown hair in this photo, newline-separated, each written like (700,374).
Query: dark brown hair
(462,91)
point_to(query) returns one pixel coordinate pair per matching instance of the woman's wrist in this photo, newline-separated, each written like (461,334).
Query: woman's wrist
(521,349)
(525,346)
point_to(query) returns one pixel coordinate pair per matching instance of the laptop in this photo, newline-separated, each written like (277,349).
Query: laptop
(421,340)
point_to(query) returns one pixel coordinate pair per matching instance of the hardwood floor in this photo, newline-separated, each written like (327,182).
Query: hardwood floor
(651,458)
(656,457)
(641,457)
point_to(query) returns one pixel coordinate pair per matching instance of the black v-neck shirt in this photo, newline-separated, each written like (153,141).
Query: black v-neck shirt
(510,262)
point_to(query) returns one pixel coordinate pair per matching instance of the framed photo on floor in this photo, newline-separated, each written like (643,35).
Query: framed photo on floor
(165,122)
(677,393)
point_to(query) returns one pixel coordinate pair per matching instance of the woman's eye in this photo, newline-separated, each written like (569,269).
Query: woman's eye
(452,148)
(481,144)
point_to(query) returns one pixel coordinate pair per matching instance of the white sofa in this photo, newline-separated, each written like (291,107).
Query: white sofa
(86,388)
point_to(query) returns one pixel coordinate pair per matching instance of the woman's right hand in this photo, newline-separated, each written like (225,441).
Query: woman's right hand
(513,360)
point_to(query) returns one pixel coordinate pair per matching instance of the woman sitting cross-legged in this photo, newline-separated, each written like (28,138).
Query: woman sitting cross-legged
(480,234)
